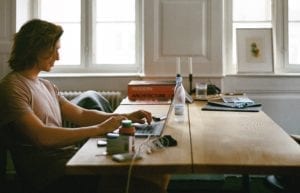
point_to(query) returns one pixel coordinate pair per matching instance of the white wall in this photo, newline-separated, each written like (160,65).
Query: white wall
(200,29)
(7,23)
(280,96)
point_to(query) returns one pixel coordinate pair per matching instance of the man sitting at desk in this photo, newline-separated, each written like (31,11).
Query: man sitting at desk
(32,111)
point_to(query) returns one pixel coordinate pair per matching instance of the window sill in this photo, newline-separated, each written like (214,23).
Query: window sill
(89,75)
(283,75)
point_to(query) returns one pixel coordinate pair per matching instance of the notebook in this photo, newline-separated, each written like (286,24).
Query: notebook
(221,106)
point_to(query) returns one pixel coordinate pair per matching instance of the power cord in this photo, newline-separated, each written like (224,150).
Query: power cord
(138,152)
(155,144)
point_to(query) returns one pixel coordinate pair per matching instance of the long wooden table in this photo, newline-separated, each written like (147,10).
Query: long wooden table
(208,142)
(240,142)
(90,159)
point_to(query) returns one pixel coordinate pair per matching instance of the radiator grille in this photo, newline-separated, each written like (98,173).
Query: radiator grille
(114,97)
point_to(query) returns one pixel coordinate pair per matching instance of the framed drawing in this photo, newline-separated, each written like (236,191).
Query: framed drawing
(254,50)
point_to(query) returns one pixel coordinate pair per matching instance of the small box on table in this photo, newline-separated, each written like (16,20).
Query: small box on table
(161,90)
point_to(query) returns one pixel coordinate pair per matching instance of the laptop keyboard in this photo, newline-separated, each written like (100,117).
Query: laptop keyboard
(146,128)
(154,128)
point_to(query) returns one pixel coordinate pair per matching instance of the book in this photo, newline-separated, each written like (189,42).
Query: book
(236,99)
(210,107)
(161,90)
(126,101)
(232,106)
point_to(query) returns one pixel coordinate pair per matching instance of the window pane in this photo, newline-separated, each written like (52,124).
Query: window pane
(249,14)
(294,31)
(294,39)
(70,45)
(60,10)
(294,10)
(115,43)
(115,10)
(252,10)
(68,15)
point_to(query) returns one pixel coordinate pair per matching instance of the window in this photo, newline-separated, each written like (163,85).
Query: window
(283,17)
(70,20)
(101,36)
(294,32)
(250,14)
(115,29)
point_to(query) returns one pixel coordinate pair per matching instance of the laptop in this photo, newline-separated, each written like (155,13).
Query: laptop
(154,129)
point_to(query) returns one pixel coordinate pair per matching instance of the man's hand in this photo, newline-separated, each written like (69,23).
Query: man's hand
(140,116)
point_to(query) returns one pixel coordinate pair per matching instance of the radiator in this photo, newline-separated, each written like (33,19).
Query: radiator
(114,97)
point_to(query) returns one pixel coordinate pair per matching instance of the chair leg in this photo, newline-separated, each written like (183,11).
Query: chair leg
(274,182)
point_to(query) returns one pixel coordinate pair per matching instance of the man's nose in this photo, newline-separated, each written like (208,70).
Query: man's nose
(57,55)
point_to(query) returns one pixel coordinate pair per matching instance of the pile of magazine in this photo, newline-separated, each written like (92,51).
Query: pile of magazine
(233,103)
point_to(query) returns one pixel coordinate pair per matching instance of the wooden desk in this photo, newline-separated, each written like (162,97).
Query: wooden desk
(240,142)
(208,142)
(89,159)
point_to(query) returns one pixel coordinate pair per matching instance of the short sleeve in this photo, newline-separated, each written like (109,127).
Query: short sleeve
(14,101)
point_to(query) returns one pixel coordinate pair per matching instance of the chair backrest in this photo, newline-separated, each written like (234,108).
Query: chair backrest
(3,154)
(6,143)
(7,153)
(93,100)
(3,161)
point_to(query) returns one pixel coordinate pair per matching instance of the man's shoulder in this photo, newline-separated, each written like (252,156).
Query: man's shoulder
(11,78)
(12,82)
(8,81)
(48,84)
(45,81)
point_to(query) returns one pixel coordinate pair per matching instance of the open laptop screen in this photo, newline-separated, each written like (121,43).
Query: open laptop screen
(154,129)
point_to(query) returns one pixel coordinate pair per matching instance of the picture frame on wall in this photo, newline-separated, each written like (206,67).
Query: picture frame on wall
(254,50)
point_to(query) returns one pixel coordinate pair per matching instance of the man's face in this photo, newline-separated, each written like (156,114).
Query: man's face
(46,61)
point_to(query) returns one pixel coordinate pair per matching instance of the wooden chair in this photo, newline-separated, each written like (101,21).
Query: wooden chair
(284,183)
(3,155)
(296,138)
(3,160)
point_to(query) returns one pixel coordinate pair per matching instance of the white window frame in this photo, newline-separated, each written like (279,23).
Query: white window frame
(87,22)
(280,38)
(287,67)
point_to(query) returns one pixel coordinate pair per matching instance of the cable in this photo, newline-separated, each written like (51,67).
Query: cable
(132,162)
(154,144)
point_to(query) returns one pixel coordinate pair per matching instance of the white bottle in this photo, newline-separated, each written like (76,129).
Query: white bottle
(179,100)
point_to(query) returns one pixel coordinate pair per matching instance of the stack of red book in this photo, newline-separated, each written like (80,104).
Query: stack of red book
(161,90)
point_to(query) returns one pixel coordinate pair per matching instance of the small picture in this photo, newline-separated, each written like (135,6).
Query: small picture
(254,50)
